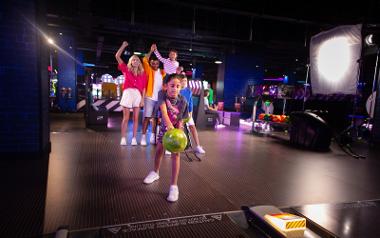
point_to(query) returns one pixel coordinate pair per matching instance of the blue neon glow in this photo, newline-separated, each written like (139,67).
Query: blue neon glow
(286,79)
(88,65)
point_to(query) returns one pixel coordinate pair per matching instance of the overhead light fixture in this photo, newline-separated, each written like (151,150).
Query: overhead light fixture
(50,41)
(60,33)
(137,53)
(371,40)
(218,62)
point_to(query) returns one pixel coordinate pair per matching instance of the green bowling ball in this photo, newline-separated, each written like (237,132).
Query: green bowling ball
(174,140)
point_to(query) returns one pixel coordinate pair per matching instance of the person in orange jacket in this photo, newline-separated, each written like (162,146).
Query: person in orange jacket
(155,77)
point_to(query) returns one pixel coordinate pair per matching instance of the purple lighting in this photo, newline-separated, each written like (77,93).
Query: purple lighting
(274,79)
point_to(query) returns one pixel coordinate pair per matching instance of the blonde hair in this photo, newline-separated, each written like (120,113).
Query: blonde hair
(135,70)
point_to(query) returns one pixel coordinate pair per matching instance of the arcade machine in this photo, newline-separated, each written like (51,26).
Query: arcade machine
(96,91)
(95,116)
(109,87)
(199,114)
(107,92)
(119,82)
(53,85)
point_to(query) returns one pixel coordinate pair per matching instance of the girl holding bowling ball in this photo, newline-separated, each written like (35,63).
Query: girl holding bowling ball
(174,110)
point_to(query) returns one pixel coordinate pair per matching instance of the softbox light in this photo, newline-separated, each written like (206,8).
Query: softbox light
(334,56)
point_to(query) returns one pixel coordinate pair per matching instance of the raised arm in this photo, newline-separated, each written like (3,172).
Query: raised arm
(120,52)
(152,48)
(158,55)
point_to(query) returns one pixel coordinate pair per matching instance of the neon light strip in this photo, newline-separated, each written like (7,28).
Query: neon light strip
(274,79)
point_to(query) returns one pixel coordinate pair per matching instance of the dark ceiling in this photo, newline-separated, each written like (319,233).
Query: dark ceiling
(203,31)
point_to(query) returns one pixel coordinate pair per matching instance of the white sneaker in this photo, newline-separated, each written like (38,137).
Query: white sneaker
(167,152)
(200,150)
(152,139)
(123,141)
(152,176)
(173,193)
(143,140)
(134,141)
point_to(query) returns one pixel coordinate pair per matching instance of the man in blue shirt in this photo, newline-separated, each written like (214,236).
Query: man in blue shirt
(186,93)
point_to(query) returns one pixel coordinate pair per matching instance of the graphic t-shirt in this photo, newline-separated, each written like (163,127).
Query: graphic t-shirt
(177,108)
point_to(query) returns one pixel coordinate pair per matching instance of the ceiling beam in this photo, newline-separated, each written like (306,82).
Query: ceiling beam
(243,13)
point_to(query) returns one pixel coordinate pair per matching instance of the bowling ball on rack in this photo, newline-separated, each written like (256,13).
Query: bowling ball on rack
(276,118)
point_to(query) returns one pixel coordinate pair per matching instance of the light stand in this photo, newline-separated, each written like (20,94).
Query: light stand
(345,138)
(374,85)
(306,85)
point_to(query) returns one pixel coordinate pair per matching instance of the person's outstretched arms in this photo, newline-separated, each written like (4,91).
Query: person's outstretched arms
(158,55)
(120,52)
(146,59)
(152,48)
